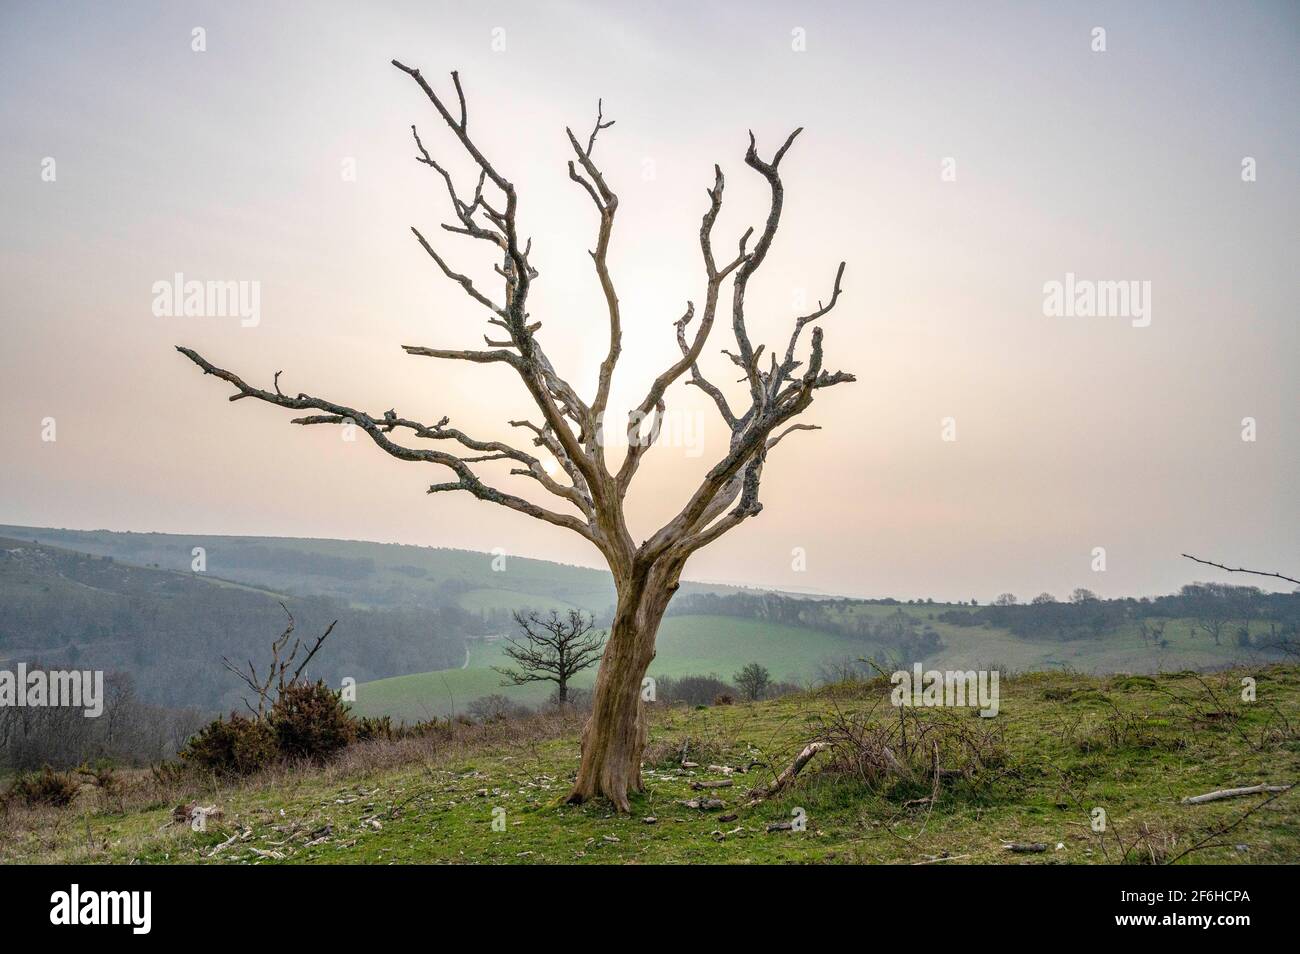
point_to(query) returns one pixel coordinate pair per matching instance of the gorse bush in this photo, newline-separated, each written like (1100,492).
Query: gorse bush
(102,775)
(238,746)
(310,721)
(46,787)
(371,728)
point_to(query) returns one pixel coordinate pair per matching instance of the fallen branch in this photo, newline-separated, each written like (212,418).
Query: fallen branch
(721,783)
(704,804)
(896,766)
(1029,848)
(935,861)
(223,846)
(787,776)
(1233,793)
(1222,830)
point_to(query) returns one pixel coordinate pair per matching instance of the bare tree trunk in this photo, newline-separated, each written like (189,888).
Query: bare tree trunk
(615,735)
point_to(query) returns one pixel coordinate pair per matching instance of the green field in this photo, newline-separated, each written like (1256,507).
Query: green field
(721,646)
(1117,651)
(688,645)
(1062,746)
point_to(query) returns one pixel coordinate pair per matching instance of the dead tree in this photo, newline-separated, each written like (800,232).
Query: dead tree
(554,649)
(267,688)
(778,386)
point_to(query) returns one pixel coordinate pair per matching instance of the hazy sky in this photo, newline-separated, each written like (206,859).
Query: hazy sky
(1071,432)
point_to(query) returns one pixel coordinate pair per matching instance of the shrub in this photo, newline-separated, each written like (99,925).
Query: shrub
(103,777)
(169,774)
(495,708)
(238,746)
(310,721)
(785,688)
(46,787)
(370,728)
(666,752)
(579,699)
(424,729)
(724,699)
(691,690)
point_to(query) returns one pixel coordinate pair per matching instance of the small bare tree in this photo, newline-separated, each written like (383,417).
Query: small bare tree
(267,688)
(554,649)
(778,386)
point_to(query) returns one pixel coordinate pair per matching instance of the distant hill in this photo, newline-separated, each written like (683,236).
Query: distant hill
(810,641)
(169,628)
(417,624)
(133,602)
(366,574)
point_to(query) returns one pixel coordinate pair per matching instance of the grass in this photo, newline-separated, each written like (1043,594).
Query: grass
(686,645)
(1131,745)
(722,645)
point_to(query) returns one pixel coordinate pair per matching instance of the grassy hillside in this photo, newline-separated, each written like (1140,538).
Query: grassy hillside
(169,629)
(1120,650)
(688,645)
(1062,746)
(720,645)
(432,585)
(365,573)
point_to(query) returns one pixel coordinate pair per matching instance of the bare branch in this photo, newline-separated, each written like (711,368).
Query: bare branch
(755,259)
(458,278)
(481,357)
(378,430)
(607,204)
(1237,569)
(267,687)
(553,396)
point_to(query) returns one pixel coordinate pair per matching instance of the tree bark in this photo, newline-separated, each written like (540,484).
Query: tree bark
(614,737)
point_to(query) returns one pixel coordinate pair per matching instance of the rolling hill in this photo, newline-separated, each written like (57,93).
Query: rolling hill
(688,645)
(366,574)
(719,645)
(421,625)
(169,629)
